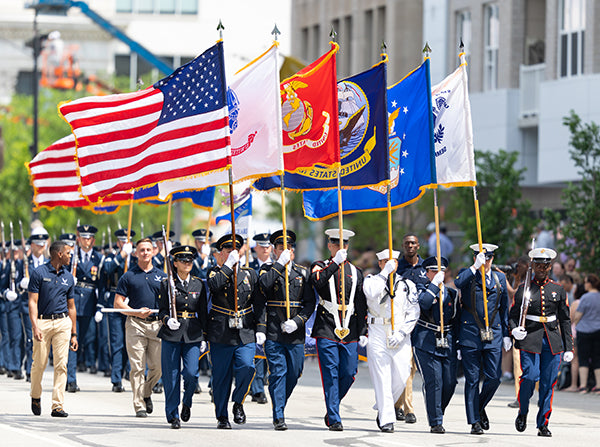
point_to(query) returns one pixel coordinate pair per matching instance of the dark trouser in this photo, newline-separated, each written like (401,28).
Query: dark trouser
(258,383)
(118,353)
(286,362)
(15,337)
(83,324)
(27,341)
(103,345)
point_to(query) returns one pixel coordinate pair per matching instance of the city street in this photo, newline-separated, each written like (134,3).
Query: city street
(98,417)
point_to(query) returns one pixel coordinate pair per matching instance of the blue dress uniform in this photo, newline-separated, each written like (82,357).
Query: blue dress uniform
(159,259)
(232,348)
(202,266)
(15,327)
(4,281)
(436,364)
(548,328)
(285,351)
(182,344)
(338,357)
(481,356)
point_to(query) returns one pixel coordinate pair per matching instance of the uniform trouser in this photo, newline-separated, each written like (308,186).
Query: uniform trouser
(103,345)
(389,369)
(3,334)
(338,363)
(15,338)
(542,367)
(258,383)
(172,355)
(406,399)
(118,354)
(488,361)
(229,361)
(143,347)
(439,383)
(89,343)
(27,341)
(83,324)
(286,362)
(55,334)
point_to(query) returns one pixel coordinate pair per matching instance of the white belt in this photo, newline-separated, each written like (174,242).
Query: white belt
(541,319)
(379,320)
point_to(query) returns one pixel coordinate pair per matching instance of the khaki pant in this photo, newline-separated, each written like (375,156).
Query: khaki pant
(55,333)
(405,401)
(143,348)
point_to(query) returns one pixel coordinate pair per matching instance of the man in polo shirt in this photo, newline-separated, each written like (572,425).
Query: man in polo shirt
(138,289)
(51,300)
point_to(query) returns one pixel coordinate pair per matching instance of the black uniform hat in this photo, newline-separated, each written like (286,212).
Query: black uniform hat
(158,236)
(200,235)
(121,234)
(277,237)
(226,241)
(68,238)
(262,239)
(183,253)
(87,231)
(431,263)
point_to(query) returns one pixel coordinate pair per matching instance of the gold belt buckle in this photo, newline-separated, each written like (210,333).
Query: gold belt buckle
(543,319)
(185,314)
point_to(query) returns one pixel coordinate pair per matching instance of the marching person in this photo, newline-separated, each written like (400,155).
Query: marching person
(435,358)
(284,346)
(181,333)
(204,260)
(481,350)
(233,335)
(389,347)
(547,333)
(337,332)
(138,289)
(51,301)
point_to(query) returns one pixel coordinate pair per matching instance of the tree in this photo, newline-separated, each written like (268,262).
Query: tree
(505,217)
(581,225)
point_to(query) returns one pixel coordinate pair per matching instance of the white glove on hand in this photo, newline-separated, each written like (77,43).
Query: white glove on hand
(24,283)
(519,333)
(438,279)
(98,316)
(205,249)
(389,267)
(74,281)
(458,354)
(173,324)
(479,261)
(203,346)
(506,343)
(260,338)
(106,295)
(395,339)
(128,248)
(284,257)
(289,326)
(232,259)
(169,246)
(363,341)
(340,256)
(10,295)
(568,356)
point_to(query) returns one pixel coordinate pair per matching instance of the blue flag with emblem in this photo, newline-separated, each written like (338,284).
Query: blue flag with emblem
(244,209)
(363,149)
(200,198)
(411,154)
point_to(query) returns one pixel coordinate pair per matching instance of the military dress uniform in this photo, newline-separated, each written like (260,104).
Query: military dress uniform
(232,348)
(13,319)
(437,365)
(4,281)
(285,351)
(548,334)
(202,266)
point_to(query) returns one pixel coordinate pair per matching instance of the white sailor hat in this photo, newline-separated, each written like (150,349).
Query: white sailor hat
(384,255)
(488,249)
(334,234)
(542,255)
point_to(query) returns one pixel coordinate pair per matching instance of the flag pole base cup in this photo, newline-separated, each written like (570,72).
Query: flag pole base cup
(486,334)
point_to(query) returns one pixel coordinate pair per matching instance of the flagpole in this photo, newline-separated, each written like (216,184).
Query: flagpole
(129,232)
(483,280)
(168,230)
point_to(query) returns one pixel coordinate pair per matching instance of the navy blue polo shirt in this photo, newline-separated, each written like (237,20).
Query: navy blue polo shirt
(53,287)
(141,287)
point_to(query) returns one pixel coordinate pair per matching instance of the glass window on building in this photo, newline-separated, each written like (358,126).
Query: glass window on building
(492,36)
(571,37)
(158,6)
(124,5)
(463,31)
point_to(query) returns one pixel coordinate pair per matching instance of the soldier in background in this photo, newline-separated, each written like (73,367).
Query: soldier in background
(204,260)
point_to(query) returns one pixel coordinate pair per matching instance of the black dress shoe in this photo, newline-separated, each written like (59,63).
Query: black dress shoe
(59,413)
(17,375)
(198,389)
(336,427)
(437,429)
(239,417)
(223,423)
(2,370)
(326,419)
(186,412)
(476,429)
(521,422)
(483,420)
(81,368)
(149,405)
(410,418)
(93,369)
(513,404)
(118,388)
(28,378)
(175,423)
(158,388)
(279,425)
(107,374)
(9,373)
(543,431)
(387,428)
(36,406)
(400,414)
(72,387)
(259,398)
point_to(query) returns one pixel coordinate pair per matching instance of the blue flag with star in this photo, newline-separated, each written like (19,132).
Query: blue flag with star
(411,154)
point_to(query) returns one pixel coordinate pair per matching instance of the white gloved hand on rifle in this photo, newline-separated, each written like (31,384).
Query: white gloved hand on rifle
(363,341)
(173,324)
(289,326)
(519,333)
(24,283)
(260,338)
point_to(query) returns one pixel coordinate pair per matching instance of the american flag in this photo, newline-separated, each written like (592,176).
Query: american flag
(176,128)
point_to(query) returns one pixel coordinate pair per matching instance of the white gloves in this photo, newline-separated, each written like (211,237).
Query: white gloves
(260,338)
(74,281)
(458,354)
(479,260)
(24,283)
(289,326)
(205,249)
(389,267)
(173,324)
(106,295)
(438,279)
(10,295)
(395,339)
(128,248)
(203,346)
(568,356)
(284,257)
(232,259)
(98,315)
(169,246)
(363,340)
(506,343)
(340,256)
(519,333)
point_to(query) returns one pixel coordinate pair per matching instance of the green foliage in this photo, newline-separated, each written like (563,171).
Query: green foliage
(505,217)
(581,226)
